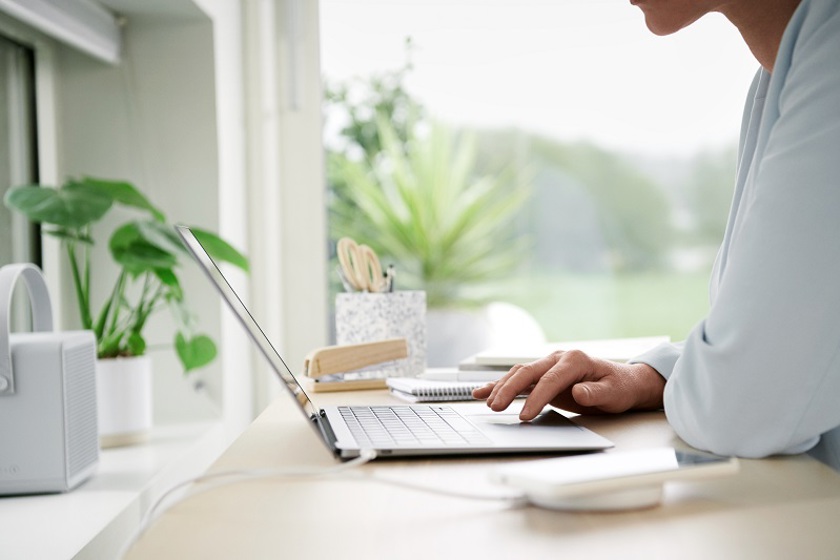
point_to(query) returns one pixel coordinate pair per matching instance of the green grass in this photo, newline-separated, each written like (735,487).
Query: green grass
(580,307)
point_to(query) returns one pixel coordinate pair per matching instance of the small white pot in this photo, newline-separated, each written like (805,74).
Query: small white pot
(124,400)
(454,334)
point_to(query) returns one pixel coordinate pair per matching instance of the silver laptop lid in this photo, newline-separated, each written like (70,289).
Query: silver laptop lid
(254,331)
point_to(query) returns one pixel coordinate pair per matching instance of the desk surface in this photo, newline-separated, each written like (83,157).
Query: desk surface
(774,508)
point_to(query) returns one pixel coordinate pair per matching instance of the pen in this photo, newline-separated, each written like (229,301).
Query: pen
(389,278)
(348,287)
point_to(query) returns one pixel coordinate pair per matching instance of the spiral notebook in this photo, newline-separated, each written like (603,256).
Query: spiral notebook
(423,390)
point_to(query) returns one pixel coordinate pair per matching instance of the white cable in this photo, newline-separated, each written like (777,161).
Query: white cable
(228,477)
(223,478)
(515,499)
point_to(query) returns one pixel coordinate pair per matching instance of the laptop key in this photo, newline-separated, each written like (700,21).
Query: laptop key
(407,425)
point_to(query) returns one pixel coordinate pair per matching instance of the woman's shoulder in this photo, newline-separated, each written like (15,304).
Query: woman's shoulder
(813,29)
(807,60)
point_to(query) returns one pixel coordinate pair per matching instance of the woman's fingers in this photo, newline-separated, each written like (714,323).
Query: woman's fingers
(483,392)
(568,368)
(520,379)
(501,382)
(575,382)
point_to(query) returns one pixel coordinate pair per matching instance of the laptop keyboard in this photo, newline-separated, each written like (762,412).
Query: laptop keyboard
(389,426)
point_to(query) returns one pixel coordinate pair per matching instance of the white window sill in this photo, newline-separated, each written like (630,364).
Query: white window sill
(97,518)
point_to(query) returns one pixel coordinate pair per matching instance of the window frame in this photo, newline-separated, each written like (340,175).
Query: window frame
(23,160)
(287,186)
(46,148)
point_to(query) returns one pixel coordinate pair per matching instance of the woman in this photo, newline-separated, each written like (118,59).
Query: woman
(761,374)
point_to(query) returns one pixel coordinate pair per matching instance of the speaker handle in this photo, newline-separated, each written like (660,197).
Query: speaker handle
(39,299)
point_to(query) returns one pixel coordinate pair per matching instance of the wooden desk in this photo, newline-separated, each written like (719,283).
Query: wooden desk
(775,508)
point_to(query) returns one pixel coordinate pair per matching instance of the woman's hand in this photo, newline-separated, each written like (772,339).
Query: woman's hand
(576,382)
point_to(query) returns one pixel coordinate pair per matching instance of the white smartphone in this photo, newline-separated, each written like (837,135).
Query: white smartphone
(609,480)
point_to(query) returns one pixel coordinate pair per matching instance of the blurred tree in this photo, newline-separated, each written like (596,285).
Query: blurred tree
(358,103)
(709,194)
(635,214)
(633,211)
(409,189)
(352,109)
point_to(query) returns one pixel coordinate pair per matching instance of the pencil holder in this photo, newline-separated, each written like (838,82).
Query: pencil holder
(369,317)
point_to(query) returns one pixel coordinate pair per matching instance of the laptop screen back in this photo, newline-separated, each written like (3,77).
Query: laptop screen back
(247,320)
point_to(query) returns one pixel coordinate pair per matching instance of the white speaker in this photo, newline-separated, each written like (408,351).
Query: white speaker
(48,433)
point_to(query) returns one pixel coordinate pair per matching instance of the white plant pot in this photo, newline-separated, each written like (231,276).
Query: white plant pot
(124,400)
(455,334)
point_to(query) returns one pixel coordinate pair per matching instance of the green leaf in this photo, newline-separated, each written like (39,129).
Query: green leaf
(131,250)
(181,314)
(196,352)
(126,194)
(69,235)
(136,344)
(219,249)
(72,206)
(161,236)
(168,278)
(109,345)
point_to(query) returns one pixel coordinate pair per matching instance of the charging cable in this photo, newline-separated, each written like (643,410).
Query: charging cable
(223,478)
(514,499)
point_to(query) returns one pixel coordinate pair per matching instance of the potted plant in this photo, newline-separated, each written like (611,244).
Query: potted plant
(420,204)
(147,251)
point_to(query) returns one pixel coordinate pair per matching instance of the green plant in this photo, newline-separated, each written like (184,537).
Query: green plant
(147,251)
(354,107)
(359,102)
(421,205)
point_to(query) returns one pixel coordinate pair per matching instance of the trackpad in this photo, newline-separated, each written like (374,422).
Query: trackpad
(544,420)
(548,428)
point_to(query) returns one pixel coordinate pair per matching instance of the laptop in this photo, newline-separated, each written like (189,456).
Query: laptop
(406,429)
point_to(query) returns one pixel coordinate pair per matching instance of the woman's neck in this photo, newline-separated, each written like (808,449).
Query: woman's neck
(762,24)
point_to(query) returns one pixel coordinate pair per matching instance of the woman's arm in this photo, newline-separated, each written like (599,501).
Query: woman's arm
(761,374)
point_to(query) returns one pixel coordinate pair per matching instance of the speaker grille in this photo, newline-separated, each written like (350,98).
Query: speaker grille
(80,396)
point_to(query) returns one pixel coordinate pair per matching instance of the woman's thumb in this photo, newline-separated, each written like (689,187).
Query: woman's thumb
(589,393)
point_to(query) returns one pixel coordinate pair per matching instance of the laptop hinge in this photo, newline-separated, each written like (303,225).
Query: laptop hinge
(323,424)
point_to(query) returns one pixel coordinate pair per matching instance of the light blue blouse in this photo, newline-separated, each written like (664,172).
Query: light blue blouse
(761,374)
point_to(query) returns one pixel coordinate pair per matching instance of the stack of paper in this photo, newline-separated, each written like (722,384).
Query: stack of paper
(616,349)
(492,364)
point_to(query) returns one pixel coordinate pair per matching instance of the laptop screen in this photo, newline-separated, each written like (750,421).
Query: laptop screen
(254,331)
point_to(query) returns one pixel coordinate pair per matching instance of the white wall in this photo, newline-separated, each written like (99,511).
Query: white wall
(215,113)
(122,122)
(153,120)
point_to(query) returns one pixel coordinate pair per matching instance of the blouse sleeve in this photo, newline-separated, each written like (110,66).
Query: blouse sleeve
(761,374)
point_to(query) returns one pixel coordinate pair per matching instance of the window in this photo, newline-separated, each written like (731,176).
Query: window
(18,164)
(19,240)
(626,143)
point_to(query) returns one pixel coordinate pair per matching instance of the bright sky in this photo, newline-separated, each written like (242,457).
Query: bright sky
(567,68)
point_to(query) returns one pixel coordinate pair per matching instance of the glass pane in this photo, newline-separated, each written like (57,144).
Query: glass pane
(623,143)
(19,241)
